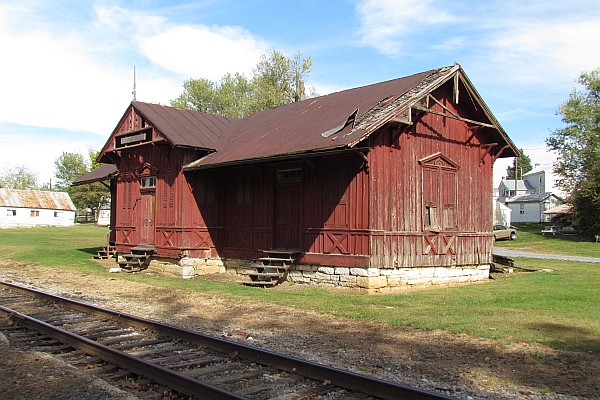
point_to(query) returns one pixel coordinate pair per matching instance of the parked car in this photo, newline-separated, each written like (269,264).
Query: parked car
(502,232)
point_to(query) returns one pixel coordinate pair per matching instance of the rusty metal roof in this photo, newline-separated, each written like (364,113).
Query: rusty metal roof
(335,122)
(310,125)
(187,128)
(102,173)
(36,199)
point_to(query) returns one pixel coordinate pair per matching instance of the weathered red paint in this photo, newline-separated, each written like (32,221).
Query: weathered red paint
(414,191)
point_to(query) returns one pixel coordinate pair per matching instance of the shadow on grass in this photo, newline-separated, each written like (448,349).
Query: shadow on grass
(90,250)
(571,338)
(406,351)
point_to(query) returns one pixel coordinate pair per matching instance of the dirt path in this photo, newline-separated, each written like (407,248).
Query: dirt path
(456,365)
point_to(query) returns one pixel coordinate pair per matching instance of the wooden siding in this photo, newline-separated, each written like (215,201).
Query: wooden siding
(133,214)
(437,163)
(336,207)
(422,198)
(332,222)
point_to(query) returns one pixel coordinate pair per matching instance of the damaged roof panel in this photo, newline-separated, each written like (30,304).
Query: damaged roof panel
(298,127)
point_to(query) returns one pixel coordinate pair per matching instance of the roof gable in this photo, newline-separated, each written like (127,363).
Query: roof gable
(509,184)
(151,123)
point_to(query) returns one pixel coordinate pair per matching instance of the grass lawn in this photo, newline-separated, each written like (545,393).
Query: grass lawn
(530,238)
(558,308)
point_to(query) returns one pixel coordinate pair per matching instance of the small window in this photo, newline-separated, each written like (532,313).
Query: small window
(11,213)
(57,214)
(148,182)
(522,208)
(35,213)
(289,175)
(431,216)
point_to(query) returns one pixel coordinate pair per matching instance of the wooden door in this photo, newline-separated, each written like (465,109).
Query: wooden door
(147,204)
(288,216)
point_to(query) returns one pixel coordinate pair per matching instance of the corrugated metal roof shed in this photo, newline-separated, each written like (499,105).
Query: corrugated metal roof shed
(36,199)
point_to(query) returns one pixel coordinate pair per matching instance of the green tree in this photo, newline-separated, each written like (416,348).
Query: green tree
(579,146)
(69,167)
(19,177)
(279,80)
(524,166)
(276,80)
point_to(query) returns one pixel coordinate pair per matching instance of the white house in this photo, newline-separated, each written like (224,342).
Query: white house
(531,207)
(35,208)
(502,214)
(528,198)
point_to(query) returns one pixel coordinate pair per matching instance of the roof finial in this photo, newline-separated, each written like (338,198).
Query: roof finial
(134,90)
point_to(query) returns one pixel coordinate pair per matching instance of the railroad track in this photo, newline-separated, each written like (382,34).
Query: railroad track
(120,346)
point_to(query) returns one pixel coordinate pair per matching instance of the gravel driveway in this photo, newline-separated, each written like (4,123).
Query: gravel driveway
(517,253)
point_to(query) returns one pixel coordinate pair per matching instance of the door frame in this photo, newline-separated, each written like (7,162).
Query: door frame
(147,209)
(285,177)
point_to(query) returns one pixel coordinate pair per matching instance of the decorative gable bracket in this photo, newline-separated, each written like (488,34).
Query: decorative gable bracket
(423,106)
(438,160)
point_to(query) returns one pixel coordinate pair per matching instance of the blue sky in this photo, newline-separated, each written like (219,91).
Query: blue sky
(66,74)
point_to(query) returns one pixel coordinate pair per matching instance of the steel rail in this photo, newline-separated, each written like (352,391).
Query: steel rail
(165,376)
(341,378)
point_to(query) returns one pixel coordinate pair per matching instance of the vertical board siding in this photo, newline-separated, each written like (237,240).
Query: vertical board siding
(346,207)
(403,187)
(336,207)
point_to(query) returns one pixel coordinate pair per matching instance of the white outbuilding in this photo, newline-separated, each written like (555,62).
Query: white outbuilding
(21,208)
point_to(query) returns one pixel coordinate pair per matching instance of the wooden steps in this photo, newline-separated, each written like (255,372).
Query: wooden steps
(271,269)
(106,253)
(136,259)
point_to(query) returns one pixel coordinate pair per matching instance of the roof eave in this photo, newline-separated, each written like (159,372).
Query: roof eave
(275,157)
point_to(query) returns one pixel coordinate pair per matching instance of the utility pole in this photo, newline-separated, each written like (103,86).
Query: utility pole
(134,90)
(516,173)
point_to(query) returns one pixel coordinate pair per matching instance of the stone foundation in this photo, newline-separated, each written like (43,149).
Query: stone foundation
(371,280)
(375,280)
(187,267)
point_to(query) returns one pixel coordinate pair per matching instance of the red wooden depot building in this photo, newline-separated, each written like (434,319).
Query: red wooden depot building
(377,187)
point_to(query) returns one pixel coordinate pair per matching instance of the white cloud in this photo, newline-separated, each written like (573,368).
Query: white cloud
(37,151)
(51,80)
(454,44)
(76,74)
(388,25)
(538,53)
(519,43)
(81,77)
(204,52)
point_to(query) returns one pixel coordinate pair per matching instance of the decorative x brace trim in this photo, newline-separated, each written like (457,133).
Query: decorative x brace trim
(167,236)
(204,240)
(447,245)
(126,233)
(336,242)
